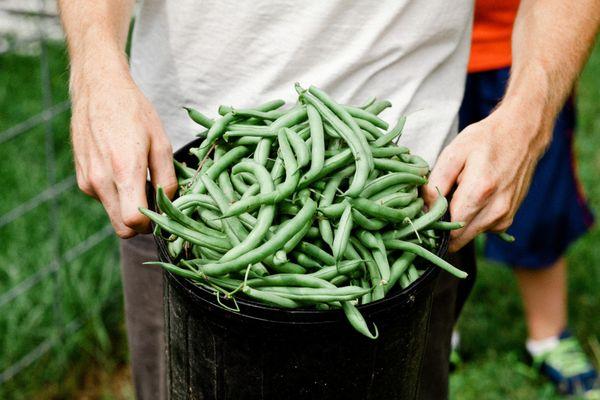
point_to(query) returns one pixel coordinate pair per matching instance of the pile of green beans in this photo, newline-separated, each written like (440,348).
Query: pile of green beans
(309,206)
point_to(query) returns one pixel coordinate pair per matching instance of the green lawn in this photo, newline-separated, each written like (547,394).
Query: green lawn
(88,289)
(85,291)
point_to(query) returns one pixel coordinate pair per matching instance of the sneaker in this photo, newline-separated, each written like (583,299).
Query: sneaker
(568,367)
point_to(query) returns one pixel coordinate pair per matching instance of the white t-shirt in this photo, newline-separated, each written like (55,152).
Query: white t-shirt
(242,53)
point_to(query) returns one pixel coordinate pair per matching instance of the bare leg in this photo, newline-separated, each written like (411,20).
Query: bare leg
(544,294)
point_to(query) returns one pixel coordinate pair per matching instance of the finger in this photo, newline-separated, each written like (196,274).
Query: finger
(107,193)
(444,174)
(130,180)
(162,172)
(496,216)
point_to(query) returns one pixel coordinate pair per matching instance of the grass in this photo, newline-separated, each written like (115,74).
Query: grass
(86,290)
(86,363)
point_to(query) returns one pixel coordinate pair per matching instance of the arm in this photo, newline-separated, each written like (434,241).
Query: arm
(117,135)
(491,162)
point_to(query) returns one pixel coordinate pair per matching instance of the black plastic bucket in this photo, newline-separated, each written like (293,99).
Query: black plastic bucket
(262,352)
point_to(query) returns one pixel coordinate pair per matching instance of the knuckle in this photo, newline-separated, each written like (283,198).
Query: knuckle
(486,189)
(134,220)
(124,233)
(97,178)
(84,185)
(503,224)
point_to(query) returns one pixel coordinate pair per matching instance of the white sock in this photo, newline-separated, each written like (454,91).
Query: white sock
(537,347)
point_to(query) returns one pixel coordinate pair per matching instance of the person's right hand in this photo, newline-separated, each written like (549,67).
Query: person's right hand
(117,137)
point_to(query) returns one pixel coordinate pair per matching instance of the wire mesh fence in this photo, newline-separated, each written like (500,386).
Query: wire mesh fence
(55,197)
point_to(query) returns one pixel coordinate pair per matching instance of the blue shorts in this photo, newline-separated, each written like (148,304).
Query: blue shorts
(554,212)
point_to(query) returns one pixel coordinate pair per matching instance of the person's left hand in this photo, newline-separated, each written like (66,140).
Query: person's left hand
(491,163)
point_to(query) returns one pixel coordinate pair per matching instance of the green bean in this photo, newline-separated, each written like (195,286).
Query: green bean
(423,253)
(294,240)
(366,126)
(209,254)
(216,130)
(299,146)
(199,118)
(357,321)
(281,192)
(339,280)
(290,280)
(183,170)
(361,114)
(210,218)
(270,298)
(369,224)
(436,212)
(227,187)
(506,237)
(398,268)
(346,121)
(247,141)
(175,247)
(310,294)
(306,261)
(318,143)
(267,248)
(193,200)
(391,179)
(414,160)
(240,186)
(345,267)
(389,151)
(412,273)
(373,271)
(186,273)
(386,164)
(404,281)
(261,153)
(367,296)
(186,233)
(342,233)
(175,214)
(280,257)
(221,165)
(360,150)
(268,106)
(380,257)
(391,135)
(265,214)
(446,226)
(250,113)
(378,106)
(401,199)
(285,268)
(368,103)
(369,207)
(317,253)
(328,194)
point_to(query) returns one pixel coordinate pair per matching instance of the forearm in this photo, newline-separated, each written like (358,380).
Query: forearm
(550,44)
(96,35)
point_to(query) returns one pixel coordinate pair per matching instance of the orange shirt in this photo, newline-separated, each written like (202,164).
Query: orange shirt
(492,30)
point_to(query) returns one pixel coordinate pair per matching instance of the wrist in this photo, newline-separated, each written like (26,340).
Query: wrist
(95,67)
(529,105)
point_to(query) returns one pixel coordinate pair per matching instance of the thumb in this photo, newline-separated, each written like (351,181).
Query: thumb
(445,173)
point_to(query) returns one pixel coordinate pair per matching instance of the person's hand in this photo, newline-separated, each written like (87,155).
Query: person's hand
(117,137)
(491,164)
